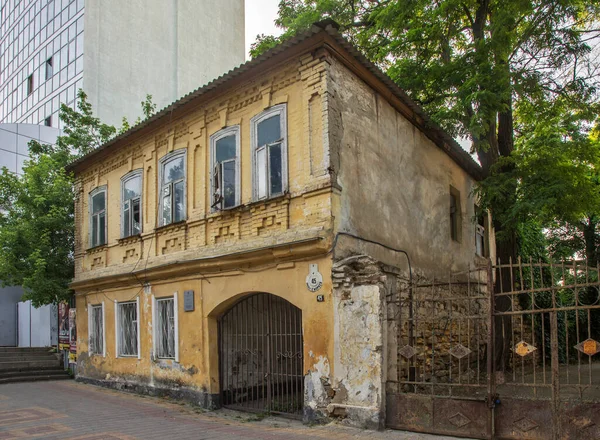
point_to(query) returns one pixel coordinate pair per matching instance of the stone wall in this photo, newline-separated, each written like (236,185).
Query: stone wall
(438,333)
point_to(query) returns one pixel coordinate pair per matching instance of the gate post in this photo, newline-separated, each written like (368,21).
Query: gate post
(555,373)
(491,362)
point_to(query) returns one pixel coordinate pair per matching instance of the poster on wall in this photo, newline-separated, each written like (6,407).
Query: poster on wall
(64,336)
(72,335)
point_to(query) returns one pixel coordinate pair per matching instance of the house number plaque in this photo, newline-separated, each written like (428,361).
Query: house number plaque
(314,280)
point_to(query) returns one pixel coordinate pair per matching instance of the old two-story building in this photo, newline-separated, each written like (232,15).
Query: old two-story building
(217,241)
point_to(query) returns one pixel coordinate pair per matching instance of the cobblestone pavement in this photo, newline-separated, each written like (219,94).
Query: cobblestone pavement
(70,410)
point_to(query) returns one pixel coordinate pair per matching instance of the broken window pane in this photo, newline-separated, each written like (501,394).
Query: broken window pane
(136,226)
(179,208)
(229,184)
(128,329)
(275,170)
(165,337)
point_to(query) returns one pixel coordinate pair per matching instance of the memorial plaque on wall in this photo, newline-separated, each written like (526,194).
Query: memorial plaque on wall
(188,301)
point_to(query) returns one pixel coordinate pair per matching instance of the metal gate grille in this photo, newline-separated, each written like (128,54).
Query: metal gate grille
(507,351)
(261,356)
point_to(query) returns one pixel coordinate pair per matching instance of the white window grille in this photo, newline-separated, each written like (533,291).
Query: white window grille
(165,328)
(269,152)
(127,329)
(98,216)
(172,184)
(96,329)
(131,207)
(225,181)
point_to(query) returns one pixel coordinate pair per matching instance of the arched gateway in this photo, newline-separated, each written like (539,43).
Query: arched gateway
(260,354)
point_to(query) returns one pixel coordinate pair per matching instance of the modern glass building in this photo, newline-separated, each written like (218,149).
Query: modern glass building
(117,51)
(41,59)
(14,139)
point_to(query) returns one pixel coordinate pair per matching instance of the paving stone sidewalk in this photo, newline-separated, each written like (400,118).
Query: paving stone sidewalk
(70,410)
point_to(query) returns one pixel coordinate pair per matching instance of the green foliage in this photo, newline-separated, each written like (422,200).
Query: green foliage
(36,217)
(501,73)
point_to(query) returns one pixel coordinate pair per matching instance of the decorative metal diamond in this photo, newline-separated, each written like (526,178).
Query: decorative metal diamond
(589,347)
(459,420)
(459,351)
(525,424)
(407,351)
(523,348)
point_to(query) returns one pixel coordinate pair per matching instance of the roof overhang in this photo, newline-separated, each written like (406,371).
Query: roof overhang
(321,35)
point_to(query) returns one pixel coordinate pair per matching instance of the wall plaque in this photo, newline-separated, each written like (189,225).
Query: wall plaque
(188,301)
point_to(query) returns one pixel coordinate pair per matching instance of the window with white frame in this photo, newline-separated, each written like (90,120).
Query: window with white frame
(269,152)
(225,181)
(172,184)
(127,328)
(98,216)
(96,329)
(131,204)
(166,324)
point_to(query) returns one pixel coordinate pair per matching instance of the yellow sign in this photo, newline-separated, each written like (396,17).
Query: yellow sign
(590,347)
(523,348)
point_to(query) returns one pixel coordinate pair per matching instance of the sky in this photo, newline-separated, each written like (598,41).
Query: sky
(260,15)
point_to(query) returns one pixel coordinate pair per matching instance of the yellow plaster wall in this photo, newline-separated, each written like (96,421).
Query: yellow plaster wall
(198,366)
(305,211)
(259,247)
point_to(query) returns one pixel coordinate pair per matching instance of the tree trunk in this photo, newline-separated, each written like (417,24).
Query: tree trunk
(506,249)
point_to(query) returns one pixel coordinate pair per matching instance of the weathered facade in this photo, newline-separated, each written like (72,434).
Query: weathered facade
(258,188)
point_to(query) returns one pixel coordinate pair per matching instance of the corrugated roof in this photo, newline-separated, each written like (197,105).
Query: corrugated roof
(330,28)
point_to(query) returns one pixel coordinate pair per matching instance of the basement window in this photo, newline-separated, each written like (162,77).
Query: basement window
(172,184)
(165,337)
(127,327)
(98,217)
(96,329)
(131,206)
(225,178)
(269,152)
(455,215)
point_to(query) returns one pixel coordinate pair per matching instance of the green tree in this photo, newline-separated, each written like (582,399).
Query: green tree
(467,62)
(36,218)
(37,209)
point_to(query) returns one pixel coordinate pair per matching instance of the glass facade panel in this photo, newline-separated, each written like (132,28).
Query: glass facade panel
(24,51)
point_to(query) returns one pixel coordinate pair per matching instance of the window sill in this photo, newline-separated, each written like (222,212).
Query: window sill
(130,239)
(96,249)
(127,356)
(250,205)
(171,225)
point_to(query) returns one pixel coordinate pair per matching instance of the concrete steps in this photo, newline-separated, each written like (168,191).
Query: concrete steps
(29,364)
